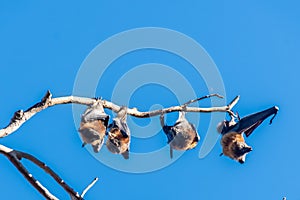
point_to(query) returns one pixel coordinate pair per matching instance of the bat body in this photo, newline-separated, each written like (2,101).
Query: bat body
(182,135)
(119,135)
(93,126)
(232,141)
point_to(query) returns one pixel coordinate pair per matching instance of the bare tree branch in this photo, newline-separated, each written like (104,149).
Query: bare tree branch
(49,171)
(21,116)
(88,187)
(15,156)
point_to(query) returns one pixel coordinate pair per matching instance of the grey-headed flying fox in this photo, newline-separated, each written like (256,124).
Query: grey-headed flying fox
(182,135)
(119,134)
(93,126)
(233,142)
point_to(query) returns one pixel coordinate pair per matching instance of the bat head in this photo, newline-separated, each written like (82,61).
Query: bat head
(113,145)
(118,142)
(241,149)
(116,146)
(97,145)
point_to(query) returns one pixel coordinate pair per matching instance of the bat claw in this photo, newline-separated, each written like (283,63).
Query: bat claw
(97,98)
(271,120)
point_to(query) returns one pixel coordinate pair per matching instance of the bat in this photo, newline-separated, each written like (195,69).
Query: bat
(118,141)
(233,142)
(182,135)
(93,126)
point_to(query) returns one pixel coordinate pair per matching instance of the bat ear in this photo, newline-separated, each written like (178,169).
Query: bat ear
(126,154)
(242,161)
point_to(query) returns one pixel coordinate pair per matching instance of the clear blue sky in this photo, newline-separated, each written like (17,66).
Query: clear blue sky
(255,45)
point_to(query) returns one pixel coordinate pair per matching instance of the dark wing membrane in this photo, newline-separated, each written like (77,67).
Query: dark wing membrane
(249,123)
(252,128)
(106,118)
(169,132)
(196,139)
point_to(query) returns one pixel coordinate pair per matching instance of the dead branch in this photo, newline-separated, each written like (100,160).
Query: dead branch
(20,117)
(88,187)
(15,157)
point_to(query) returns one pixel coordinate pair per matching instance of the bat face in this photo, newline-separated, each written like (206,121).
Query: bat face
(119,137)
(117,143)
(234,146)
(93,127)
(233,142)
(182,135)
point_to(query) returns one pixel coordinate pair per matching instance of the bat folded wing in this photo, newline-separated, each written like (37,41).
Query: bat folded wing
(249,123)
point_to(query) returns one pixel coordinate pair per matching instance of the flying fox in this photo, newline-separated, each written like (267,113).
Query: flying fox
(93,126)
(118,141)
(233,142)
(182,135)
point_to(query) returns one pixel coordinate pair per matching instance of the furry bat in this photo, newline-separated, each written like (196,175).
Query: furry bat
(93,126)
(233,142)
(119,135)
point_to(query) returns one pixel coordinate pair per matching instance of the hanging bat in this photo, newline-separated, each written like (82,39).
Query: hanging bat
(93,126)
(182,135)
(119,134)
(233,142)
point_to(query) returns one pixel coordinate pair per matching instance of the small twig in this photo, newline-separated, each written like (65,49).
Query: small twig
(20,117)
(14,158)
(233,102)
(201,98)
(89,187)
(231,105)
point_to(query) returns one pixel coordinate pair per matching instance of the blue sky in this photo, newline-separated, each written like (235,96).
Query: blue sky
(254,44)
